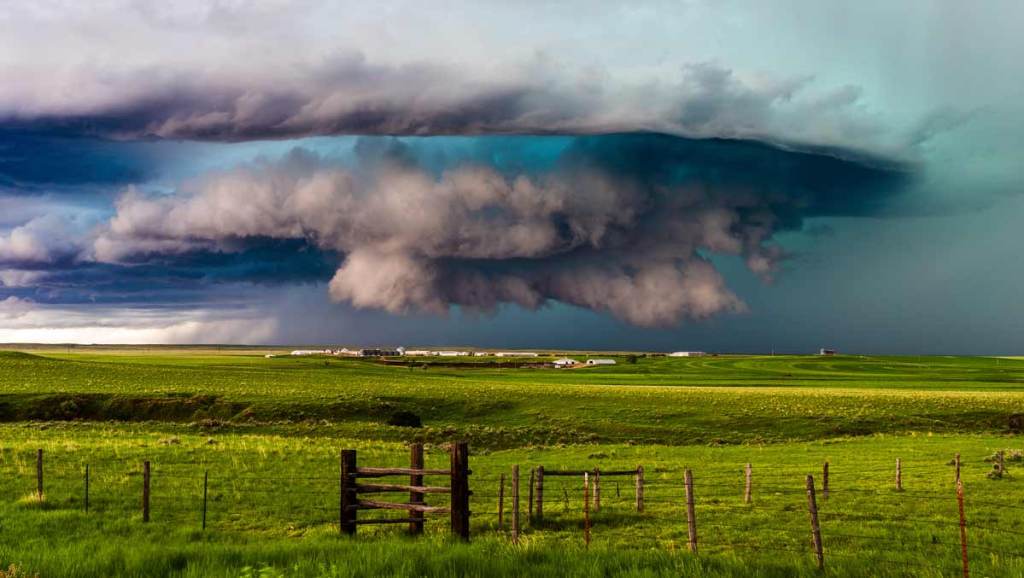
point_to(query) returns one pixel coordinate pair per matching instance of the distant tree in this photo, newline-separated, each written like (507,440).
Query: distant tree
(630,359)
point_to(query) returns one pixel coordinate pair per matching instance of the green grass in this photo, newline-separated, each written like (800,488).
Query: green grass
(268,431)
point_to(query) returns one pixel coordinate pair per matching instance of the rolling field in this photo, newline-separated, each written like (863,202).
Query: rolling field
(268,433)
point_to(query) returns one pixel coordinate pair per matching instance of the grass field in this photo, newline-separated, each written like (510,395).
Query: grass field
(268,431)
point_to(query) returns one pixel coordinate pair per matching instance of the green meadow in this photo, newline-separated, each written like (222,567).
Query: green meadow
(267,433)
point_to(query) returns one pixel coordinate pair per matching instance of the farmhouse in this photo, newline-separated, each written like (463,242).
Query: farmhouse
(564,362)
(600,362)
(687,354)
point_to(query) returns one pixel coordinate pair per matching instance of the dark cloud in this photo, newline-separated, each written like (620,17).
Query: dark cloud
(617,223)
(33,161)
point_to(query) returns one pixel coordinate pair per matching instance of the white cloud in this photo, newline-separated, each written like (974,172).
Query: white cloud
(25,322)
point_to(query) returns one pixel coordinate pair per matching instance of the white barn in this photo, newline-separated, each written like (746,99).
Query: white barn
(515,354)
(564,362)
(687,354)
(600,362)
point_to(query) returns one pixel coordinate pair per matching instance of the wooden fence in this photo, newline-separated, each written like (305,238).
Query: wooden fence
(357,482)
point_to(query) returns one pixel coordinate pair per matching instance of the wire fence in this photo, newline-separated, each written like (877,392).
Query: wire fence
(870,511)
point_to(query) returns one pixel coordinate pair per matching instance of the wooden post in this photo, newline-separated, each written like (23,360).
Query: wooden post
(501,503)
(824,480)
(416,462)
(586,509)
(956,476)
(529,505)
(145,491)
(460,490)
(1000,456)
(963,527)
(515,504)
(206,493)
(540,494)
(347,492)
(639,488)
(899,475)
(747,489)
(597,490)
(86,501)
(39,474)
(691,515)
(812,508)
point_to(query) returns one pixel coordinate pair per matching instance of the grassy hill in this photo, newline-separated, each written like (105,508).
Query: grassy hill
(268,433)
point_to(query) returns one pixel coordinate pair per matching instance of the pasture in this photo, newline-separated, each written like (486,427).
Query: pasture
(268,433)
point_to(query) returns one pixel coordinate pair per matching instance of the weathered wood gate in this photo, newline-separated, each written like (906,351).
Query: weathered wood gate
(458,489)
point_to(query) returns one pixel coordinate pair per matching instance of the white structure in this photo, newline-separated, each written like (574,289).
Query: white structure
(564,362)
(600,362)
(824,351)
(346,352)
(481,353)
(515,354)
(687,354)
(304,352)
(418,352)
(451,353)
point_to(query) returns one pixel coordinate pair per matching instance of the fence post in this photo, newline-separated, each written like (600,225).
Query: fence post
(460,489)
(899,475)
(963,527)
(39,474)
(87,488)
(515,503)
(812,508)
(691,515)
(639,488)
(501,502)
(529,505)
(824,480)
(1000,461)
(540,494)
(586,509)
(347,493)
(956,476)
(747,490)
(597,490)
(416,462)
(206,493)
(145,491)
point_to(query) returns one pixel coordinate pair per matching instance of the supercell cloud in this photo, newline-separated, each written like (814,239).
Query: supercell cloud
(203,159)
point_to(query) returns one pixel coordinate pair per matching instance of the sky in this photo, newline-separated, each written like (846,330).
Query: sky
(712,175)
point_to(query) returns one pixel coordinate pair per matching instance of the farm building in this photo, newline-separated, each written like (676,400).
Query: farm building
(564,362)
(304,352)
(687,354)
(824,351)
(418,352)
(379,352)
(515,354)
(600,362)
(451,353)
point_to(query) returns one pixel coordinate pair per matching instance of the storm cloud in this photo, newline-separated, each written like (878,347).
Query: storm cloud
(623,224)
